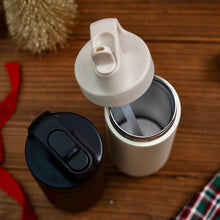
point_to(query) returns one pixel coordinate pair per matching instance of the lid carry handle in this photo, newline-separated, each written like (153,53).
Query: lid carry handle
(105,45)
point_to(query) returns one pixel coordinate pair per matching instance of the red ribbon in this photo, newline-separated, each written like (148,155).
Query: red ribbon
(7,108)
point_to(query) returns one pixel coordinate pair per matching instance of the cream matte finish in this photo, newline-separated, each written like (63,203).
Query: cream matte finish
(115,67)
(138,158)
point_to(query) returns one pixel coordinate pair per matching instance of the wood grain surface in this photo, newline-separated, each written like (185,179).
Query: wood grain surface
(184,40)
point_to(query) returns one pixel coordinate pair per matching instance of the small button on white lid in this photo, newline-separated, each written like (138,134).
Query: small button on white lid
(115,67)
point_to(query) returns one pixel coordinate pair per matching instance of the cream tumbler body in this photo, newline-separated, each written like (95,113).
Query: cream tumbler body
(158,114)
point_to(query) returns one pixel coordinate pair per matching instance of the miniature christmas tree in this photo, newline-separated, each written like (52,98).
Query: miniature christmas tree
(40,25)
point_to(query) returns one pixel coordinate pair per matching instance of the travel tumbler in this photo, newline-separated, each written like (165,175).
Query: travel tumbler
(142,111)
(65,155)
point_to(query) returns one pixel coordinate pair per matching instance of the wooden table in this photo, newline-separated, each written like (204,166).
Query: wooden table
(184,40)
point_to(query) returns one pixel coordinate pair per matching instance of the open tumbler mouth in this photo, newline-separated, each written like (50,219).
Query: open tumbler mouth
(155,112)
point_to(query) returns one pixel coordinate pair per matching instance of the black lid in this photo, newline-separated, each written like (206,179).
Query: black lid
(63,150)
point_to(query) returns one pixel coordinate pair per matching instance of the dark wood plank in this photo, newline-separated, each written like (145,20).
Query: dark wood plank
(156,20)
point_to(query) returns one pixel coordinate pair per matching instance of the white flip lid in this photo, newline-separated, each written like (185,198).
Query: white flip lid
(115,67)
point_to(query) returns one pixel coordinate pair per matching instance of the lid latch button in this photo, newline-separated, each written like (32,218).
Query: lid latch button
(63,145)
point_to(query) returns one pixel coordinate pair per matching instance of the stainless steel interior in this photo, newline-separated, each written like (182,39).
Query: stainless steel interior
(155,112)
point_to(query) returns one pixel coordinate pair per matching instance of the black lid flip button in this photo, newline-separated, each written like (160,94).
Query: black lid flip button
(64,146)
(79,161)
(68,150)
(61,143)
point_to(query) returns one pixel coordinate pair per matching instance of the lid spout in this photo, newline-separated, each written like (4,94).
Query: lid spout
(104,60)
(105,45)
